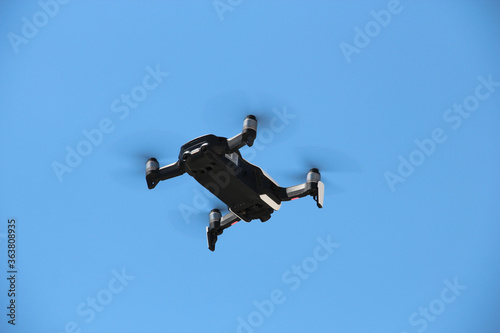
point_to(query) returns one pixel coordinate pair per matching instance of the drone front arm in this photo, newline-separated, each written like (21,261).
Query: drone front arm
(315,189)
(297,191)
(235,143)
(246,137)
(154,174)
(313,186)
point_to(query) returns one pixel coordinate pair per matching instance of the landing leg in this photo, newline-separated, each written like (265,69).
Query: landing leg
(217,224)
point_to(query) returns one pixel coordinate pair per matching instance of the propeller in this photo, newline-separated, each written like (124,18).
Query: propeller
(129,154)
(226,112)
(127,165)
(191,220)
(328,161)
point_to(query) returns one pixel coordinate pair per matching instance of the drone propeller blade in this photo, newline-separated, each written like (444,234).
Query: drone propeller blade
(129,154)
(192,221)
(326,159)
(230,108)
(145,144)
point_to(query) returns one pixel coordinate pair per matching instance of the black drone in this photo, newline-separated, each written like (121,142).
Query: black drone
(248,191)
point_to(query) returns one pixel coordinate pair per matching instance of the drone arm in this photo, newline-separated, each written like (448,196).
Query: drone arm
(228,220)
(154,174)
(246,137)
(316,190)
(217,226)
(170,171)
(235,143)
(292,192)
(313,186)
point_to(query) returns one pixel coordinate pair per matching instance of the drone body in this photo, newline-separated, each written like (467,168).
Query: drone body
(250,193)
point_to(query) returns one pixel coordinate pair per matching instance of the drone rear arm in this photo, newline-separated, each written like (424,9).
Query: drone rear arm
(218,224)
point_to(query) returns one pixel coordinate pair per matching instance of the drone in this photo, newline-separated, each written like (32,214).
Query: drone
(248,191)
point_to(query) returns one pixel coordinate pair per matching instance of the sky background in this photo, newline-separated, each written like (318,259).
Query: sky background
(398,249)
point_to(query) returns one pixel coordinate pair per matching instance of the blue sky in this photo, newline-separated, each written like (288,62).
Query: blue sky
(400,99)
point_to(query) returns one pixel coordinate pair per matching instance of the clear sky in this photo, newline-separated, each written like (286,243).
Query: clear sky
(399,100)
